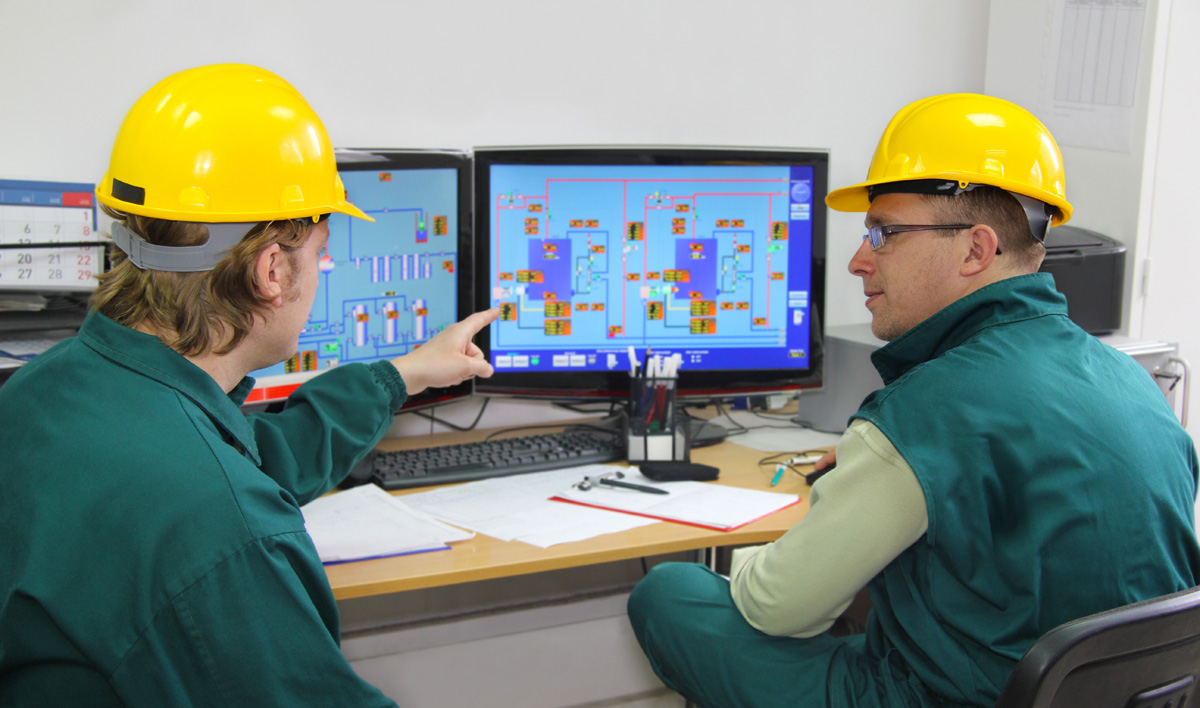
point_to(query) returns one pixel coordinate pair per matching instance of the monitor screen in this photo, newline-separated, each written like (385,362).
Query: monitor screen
(387,287)
(716,254)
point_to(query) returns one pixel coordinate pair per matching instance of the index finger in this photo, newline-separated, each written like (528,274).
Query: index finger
(479,320)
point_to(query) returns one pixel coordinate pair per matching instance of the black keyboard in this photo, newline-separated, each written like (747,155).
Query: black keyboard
(465,462)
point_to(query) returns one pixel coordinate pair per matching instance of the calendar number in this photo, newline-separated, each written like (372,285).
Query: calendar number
(37,218)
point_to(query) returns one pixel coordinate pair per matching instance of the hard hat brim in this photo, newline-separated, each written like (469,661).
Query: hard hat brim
(105,196)
(855,198)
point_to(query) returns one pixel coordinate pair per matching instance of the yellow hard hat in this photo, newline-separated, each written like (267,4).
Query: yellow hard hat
(224,143)
(969,139)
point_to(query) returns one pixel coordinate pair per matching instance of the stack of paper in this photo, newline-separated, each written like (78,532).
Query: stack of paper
(712,506)
(367,522)
(26,302)
(518,508)
(15,352)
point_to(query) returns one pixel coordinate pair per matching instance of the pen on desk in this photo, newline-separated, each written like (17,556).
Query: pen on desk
(778,474)
(631,485)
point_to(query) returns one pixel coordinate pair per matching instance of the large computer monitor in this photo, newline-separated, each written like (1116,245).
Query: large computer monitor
(387,287)
(717,254)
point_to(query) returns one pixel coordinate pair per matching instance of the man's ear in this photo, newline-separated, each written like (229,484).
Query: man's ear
(270,273)
(982,246)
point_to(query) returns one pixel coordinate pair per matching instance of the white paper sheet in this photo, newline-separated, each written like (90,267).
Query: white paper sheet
(367,522)
(712,505)
(518,508)
(1092,54)
(25,348)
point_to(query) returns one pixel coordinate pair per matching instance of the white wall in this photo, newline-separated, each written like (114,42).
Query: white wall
(799,73)
(1171,292)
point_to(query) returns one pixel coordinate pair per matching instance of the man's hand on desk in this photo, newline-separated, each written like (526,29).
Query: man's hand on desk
(829,460)
(821,466)
(449,358)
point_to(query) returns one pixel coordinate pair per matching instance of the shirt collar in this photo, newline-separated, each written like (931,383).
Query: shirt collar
(147,355)
(1010,300)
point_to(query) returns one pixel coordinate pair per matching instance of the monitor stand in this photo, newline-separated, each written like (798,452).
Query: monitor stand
(705,433)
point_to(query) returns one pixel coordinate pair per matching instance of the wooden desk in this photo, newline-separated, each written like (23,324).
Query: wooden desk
(484,557)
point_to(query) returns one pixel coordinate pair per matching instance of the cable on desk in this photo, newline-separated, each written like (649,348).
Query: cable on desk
(807,425)
(721,412)
(569,426)
(789,456)
(743,429)
(752,428)
(448,424)
(775,416)
(574,408)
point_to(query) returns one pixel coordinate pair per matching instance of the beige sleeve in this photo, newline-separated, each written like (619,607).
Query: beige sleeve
(861,516)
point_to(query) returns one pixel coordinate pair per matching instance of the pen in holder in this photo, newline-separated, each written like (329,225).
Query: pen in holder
(656,430)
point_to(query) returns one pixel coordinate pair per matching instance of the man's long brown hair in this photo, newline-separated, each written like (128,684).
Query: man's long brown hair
(199,312)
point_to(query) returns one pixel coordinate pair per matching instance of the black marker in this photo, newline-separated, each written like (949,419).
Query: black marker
(630,485)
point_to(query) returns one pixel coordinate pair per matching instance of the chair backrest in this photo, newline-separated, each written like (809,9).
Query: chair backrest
(1145,655)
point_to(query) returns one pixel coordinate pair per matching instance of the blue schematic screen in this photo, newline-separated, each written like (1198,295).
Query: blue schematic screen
(712,261)
(385,287)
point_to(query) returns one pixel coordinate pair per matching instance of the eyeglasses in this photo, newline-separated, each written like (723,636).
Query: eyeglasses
(878,235)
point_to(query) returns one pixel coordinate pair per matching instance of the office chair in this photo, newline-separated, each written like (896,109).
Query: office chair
(1144,655)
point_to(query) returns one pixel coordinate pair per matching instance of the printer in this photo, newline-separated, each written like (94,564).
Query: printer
(1089,269)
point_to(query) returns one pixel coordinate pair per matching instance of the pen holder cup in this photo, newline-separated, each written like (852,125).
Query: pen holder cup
(655,429)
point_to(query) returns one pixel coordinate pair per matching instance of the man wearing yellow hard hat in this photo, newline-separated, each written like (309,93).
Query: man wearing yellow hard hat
(153,549)
(1013,474)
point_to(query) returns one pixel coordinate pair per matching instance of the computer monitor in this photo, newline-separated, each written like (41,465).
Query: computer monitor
(717,254)
(387,287)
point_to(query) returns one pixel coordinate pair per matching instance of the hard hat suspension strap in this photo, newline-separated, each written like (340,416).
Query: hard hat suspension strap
(181,259)
(1038,213)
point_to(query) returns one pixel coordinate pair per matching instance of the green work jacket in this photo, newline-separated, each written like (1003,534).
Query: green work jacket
(1057,480)
(152,549)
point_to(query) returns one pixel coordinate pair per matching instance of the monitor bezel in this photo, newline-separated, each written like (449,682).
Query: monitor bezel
(406,159)
(593,385)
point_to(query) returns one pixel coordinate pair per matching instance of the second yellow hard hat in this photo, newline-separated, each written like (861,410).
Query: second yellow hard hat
(967,138)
